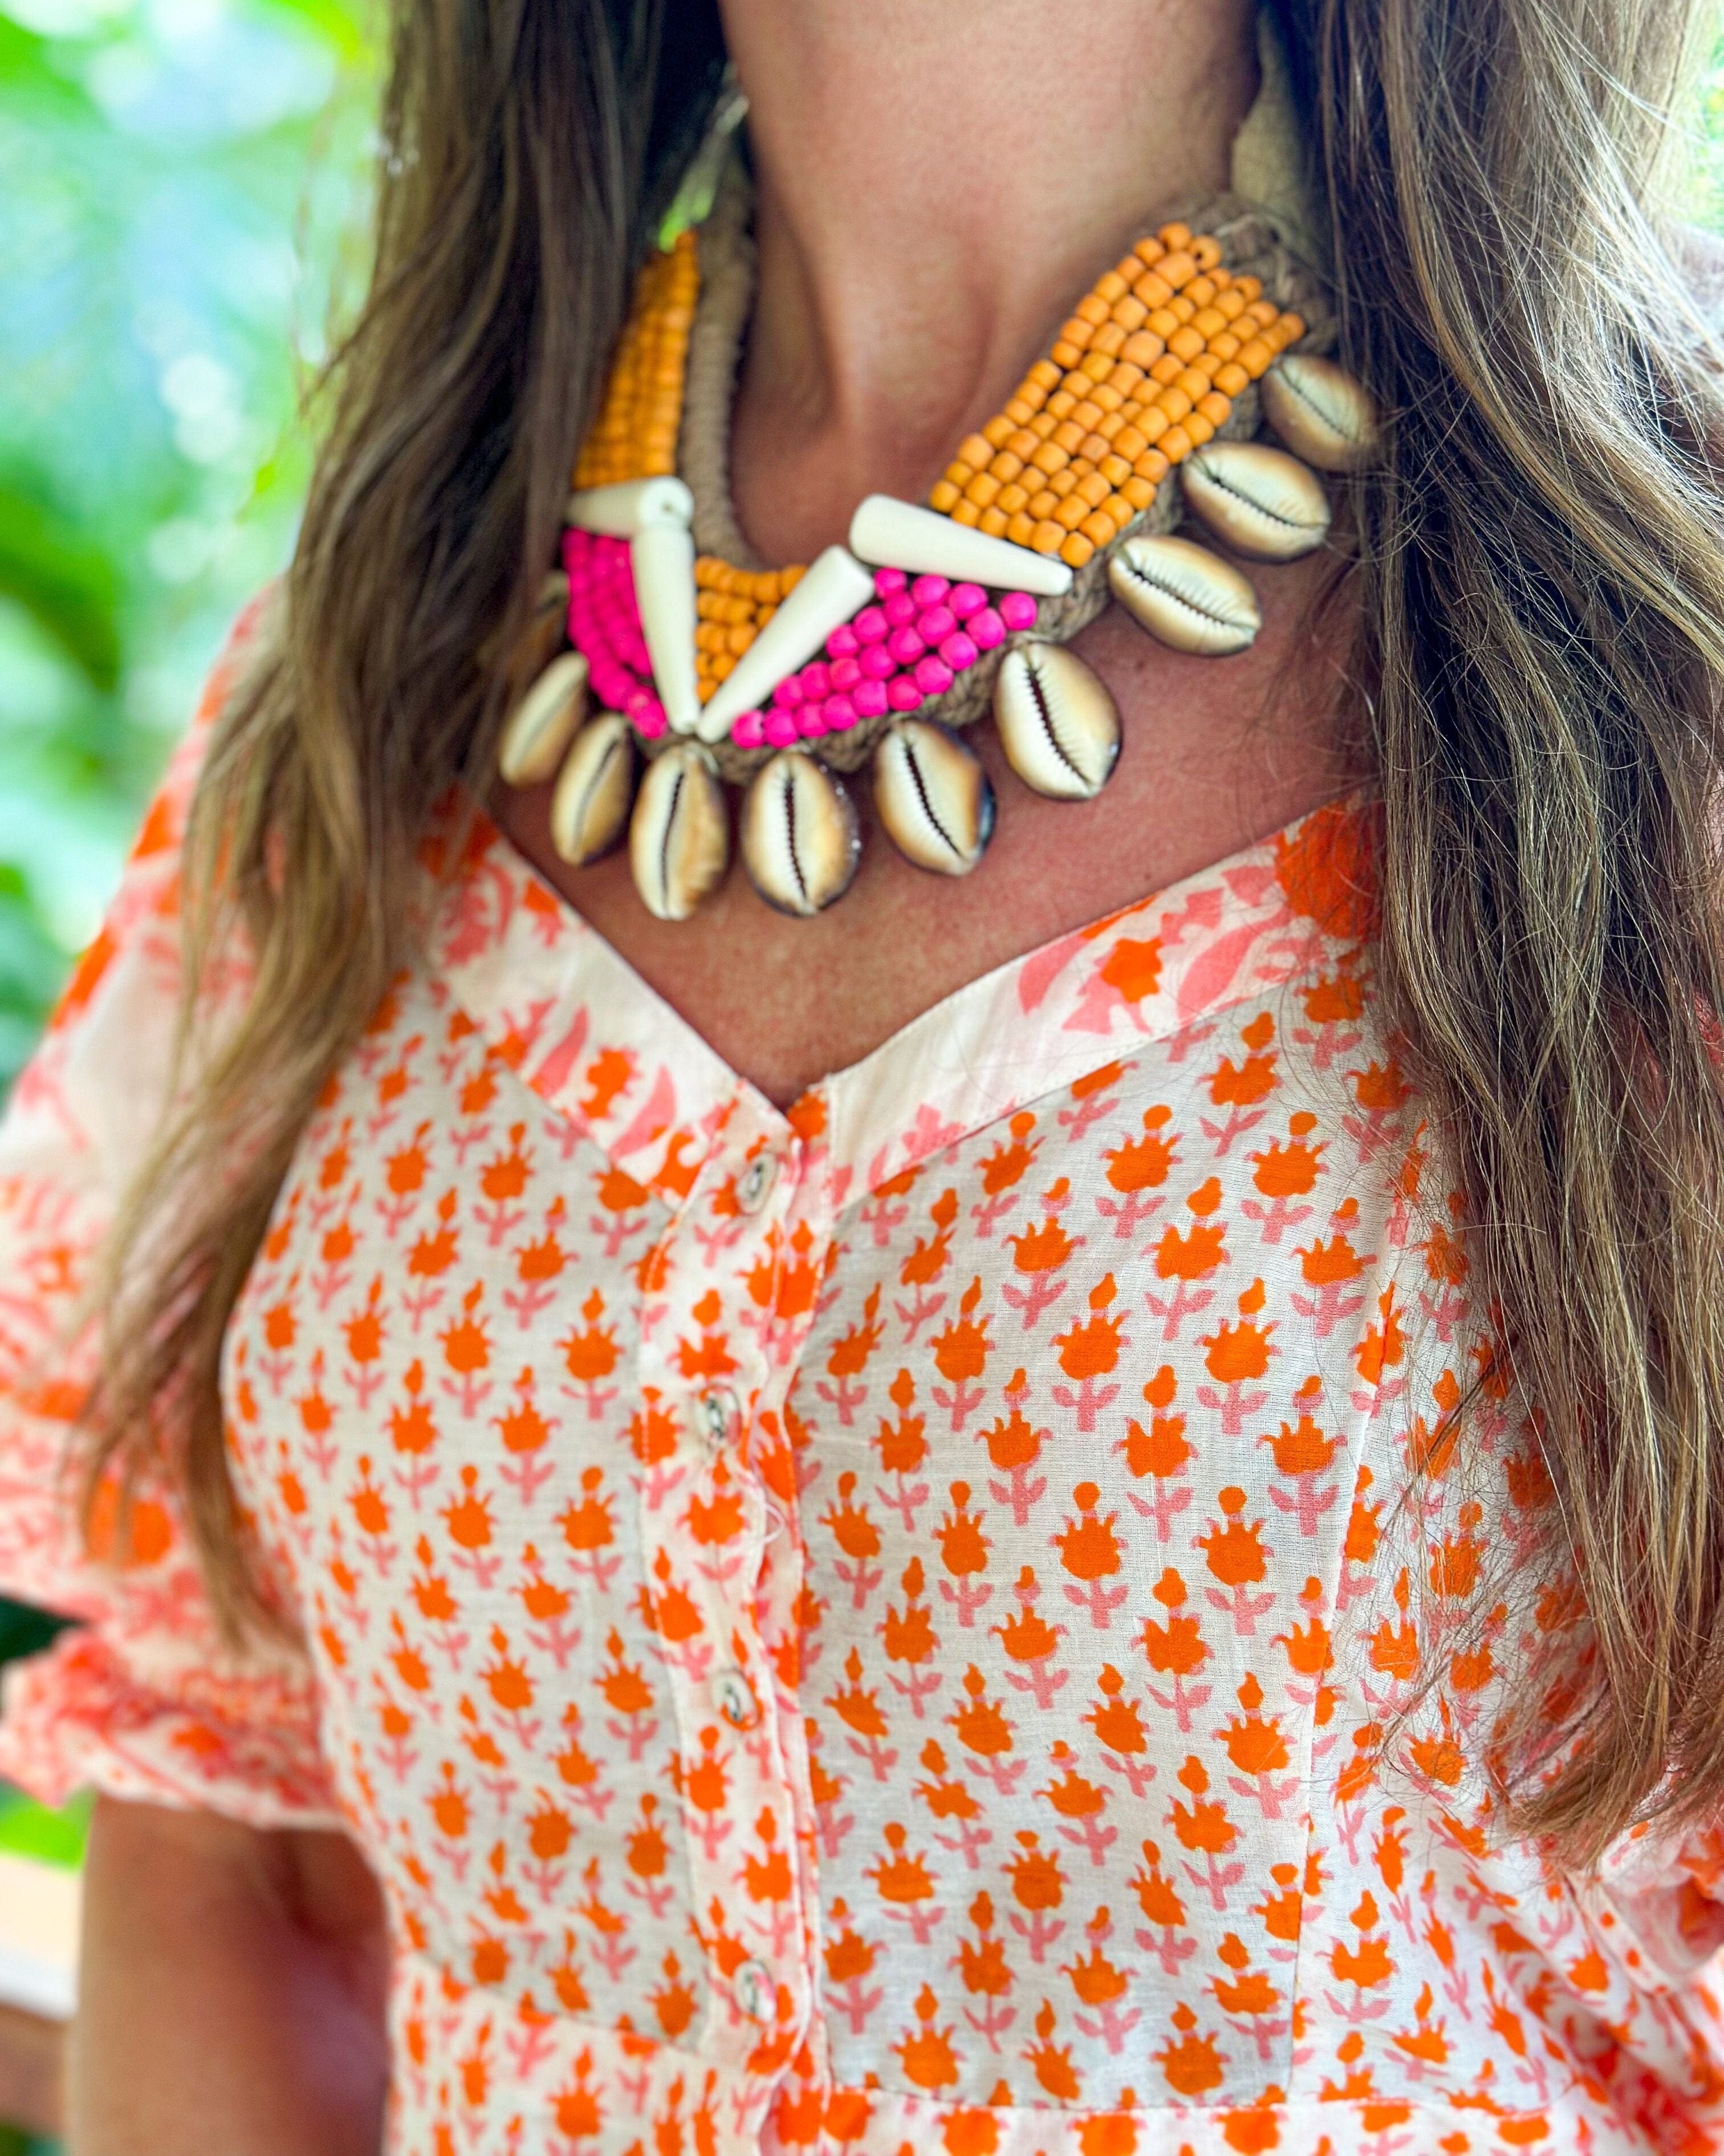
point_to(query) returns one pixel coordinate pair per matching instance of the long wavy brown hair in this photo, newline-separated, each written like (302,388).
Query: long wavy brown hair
(1542,566)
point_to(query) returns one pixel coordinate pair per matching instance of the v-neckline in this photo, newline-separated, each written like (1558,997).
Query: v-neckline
(551,993)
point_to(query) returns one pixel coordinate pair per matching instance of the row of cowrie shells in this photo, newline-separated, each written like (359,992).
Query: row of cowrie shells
(1058,725)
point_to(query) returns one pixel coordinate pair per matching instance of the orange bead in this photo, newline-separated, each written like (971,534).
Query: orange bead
(1041,506)
(1092,489)
(1208,322)
(1040,429)
(1128,374)
(1068,355)
(1071,512)
(1114,470)
(1011,499)
(1086,412)
(1061,485)
(1248,288)
(960,473)
(993,522)
(968,514)
(1131,442)
(1019,528)
(944,497)
(983,490)
(1098,528)
(1154,423)
(1224,347)
(1094,447)
(1006,467)
(1105,397)
(1178,269)
(1198,429)
(1066,436)
(1263,312)
(1194,381)
(1230,378)
(1109,340)
(975,452)
(1164,322)
(1077,331)
(1255,357)
(1165,369)
(1202,291)
(1138,492)
(1207,252)
(1076,551)
(996,433)
(1060,405)
(1129,312)
(1149,251)
(1044,375)
(1091,310)
(1020,411)
(1185,343)
(1141,349)
(1174,402)
(1231,303)
(1153,466)
(1175,235)
(1215,408)
(1177,446)
(1050,457)
(1098,365)
(1048,537)
(1112,288)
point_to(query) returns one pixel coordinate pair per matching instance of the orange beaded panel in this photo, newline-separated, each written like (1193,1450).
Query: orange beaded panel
(635,434)
(731,607)
(1147,368)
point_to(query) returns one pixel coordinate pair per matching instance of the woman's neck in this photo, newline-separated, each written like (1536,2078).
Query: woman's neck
(935,184)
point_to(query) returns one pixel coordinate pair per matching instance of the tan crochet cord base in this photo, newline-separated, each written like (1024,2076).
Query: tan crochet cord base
(1249,245)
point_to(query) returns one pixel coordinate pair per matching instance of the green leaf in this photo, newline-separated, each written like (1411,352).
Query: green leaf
(62,576)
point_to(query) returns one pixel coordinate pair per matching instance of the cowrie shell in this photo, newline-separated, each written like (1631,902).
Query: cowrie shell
(1184,595)
(800,842)
(1058,725)
(1260,501)
(933,797)
(1320,412)
(589,809)
(539,729)
(679,836)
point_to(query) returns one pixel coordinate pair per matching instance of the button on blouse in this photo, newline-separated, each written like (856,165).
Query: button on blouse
(938,1618)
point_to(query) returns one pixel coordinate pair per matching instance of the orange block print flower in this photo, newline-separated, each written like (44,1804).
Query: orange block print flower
(1327,869)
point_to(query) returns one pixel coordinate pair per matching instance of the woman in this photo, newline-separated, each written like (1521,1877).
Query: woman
(934,1525)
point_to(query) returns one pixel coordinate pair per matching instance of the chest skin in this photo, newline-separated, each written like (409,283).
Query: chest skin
(1217,753)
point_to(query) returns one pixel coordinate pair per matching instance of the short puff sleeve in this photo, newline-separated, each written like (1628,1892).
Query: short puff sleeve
(139,1698)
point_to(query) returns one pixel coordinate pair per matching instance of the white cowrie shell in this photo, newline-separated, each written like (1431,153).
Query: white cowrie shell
(1058,725)
(1320,412)
(590,807)
(1184,595)
(933,797)
(1260,501)
(540,728)
(679,836)
(800,843)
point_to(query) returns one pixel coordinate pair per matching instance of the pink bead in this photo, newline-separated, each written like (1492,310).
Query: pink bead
(788,693)
(933,677)
(906,646)
(816,680)
(651,722)
(842,642)
(611,687)
(779,728)
(929,591)
(966,600)
(900,609)
(811,722)
(845,675)
(934,624)
(959,651)
(870,700)
(871,625)
(986,629)
(877,663)
(902,694)
(840,713)
(636,701)
(887,581)
(1018,610)
(749,731)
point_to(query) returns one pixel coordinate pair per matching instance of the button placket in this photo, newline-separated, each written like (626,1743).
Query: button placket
(715,1367)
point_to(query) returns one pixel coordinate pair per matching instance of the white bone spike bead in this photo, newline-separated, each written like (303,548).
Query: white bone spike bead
(833,588)
(589,808)
(897,535)
(800,842)
(543,723)
(1320,411)
(1058,725)
(662,556)
(1184,595)
(1260,501)
(620,511)
(679,835)
(933,797)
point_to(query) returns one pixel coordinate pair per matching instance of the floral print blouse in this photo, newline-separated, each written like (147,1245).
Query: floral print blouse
(879,1627)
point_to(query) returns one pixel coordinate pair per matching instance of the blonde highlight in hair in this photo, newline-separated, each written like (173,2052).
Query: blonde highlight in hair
(1542,572)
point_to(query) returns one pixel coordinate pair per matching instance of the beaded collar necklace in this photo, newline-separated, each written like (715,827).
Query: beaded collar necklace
(666,662)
